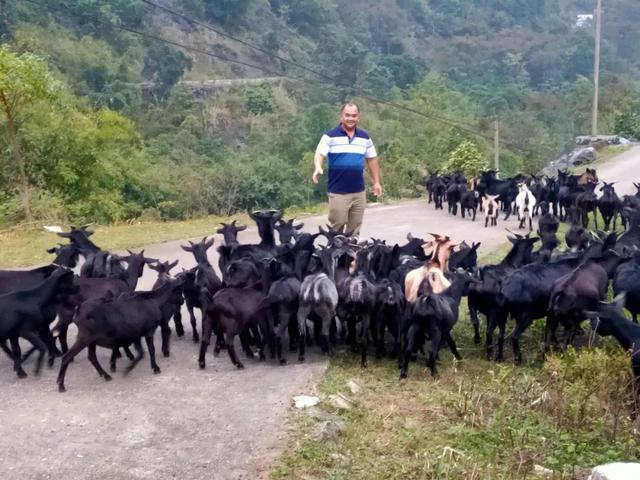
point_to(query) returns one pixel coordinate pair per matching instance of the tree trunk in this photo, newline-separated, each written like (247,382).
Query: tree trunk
(17,158)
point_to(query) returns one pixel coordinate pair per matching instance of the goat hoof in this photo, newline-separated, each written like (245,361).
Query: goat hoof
(301,358)
(403,375)
(61,388)
(107,377)
(22,374)
(364,365)
(112,368)
(239,366)
(196,339)
(216,352)
(283,361)
(166,354)
(476,340)
(201,364)
(156,370)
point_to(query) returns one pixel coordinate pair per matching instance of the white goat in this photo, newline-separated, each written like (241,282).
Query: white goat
(525,202)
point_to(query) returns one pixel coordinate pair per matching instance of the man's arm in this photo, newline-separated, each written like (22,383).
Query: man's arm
(318,160)
(321,153)
(374,170)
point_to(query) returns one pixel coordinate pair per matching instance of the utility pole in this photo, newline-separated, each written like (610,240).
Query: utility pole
(596,70)
(496,148)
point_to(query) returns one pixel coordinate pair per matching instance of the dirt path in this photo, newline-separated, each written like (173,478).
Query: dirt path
(185,423)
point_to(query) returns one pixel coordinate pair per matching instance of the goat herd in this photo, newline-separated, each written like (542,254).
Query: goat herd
(327,287)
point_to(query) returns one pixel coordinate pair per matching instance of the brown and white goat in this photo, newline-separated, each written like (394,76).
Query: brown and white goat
(432,270)
(491,210)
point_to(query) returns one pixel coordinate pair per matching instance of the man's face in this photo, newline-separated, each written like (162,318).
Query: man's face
(350,117)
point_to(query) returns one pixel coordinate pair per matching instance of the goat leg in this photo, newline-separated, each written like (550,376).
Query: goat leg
(37,342)
(165,333)
(177,320)
(452,345)
(303,312)
(364,338)
(406,350)
(475,321)
(17,357)
(194,328)
(76,348)
(93,358)
(207,328)
(229,338)
(436,338)
(138,357)
(152,352)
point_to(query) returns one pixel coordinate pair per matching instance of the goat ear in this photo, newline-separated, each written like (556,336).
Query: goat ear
(208,244)
(186,248)
(64,234)
(409,236)
(299,226)
(51,250)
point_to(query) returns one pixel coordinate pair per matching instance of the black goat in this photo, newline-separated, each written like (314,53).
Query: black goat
(120,323)
(609,205)
(26,314)
(587,202)
(482,296)
(164,276)
(526,291)
(571,295)
(357,297)
(205,279)
(469,203)
(66,255)
(232,312)
(627,281)
(15,280)
(434,315)
(454,195)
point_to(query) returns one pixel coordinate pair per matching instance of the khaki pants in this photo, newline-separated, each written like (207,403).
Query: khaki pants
(347,209)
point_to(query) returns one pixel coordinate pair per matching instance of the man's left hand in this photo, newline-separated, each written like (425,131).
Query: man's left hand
(377,189)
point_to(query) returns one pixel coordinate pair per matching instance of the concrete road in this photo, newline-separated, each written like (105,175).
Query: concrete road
(185,423)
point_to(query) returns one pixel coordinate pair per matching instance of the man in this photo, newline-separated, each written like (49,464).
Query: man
(348,149)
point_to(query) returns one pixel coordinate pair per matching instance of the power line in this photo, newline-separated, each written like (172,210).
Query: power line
(270,53)
(330,84)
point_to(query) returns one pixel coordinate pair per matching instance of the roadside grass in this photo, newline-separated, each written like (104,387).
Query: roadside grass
(21,248)
(478,420)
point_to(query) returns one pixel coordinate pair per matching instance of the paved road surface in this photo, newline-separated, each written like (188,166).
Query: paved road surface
(185,423)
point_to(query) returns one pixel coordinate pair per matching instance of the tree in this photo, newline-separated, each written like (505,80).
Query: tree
(468,159)
(165,66)
(24,80)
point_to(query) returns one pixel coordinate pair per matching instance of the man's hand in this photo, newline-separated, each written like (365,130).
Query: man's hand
(377,189)
(316,174)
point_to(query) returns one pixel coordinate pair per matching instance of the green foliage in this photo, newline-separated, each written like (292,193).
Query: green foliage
(468,159)
(187,155)
(260,100)
(164,66)
(628,125)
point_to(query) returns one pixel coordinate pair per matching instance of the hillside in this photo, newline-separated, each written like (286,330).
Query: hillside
(107,148)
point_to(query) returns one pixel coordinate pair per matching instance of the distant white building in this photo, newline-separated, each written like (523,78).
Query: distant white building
(584,20)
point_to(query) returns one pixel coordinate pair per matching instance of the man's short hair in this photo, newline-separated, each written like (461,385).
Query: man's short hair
(349,104)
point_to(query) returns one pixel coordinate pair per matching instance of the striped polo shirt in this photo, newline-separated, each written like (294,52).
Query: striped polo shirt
(346,158)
